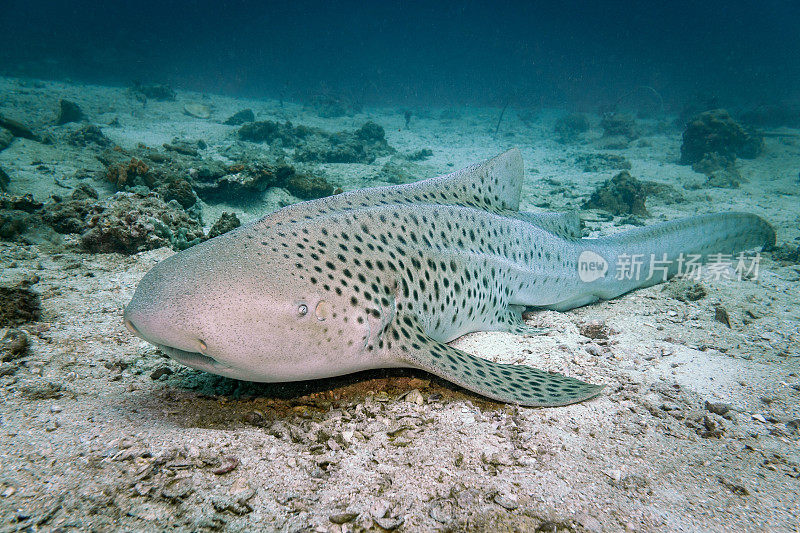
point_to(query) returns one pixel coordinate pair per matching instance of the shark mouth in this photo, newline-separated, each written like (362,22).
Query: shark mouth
(194,359)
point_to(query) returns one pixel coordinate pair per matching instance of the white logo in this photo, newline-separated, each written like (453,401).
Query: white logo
(591,266)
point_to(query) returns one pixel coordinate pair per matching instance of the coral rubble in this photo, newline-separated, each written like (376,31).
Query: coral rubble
(88,135)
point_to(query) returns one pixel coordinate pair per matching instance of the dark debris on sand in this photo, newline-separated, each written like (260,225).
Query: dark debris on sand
(19,304)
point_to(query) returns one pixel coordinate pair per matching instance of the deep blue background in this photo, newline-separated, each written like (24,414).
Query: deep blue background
(577,52)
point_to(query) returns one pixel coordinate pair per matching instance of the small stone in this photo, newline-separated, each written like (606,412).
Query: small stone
(69,112)
(380,509)
(718,408)
(55,408)
(621,195)
(226,222)
(734,487)
(342,518)
(14,344)
(507,501)
(389,523)
(415,396)
(721,315)
(229,464)
(197,110)
(441,511)
(161,372)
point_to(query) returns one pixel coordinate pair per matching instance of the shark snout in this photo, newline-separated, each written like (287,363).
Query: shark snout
(145,322)
(162,325)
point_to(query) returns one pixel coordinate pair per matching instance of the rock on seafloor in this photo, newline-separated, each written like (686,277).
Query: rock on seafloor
(197,110)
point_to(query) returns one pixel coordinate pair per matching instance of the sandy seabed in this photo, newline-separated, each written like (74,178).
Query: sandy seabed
(99,431)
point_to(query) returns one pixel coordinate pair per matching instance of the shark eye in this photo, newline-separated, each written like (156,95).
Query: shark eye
(302,310)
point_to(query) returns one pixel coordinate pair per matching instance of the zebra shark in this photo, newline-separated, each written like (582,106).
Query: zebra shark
(387,276)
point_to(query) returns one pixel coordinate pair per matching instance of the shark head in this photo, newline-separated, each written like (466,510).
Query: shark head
(233,307)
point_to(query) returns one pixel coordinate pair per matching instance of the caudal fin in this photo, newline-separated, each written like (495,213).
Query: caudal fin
(670,244)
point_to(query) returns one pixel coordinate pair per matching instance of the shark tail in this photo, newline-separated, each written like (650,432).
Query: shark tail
(654,254)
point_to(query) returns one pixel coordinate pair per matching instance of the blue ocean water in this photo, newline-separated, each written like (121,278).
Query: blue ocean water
(413,52)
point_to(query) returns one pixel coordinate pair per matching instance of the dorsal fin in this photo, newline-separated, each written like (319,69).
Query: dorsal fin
(493,185)
(566,225)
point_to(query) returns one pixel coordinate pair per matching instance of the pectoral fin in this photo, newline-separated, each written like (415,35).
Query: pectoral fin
(518,384)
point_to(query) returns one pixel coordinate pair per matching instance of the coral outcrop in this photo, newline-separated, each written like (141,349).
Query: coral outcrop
(315,145)
(621,195)
(19,305)
(715,132)
(570,127)
(130,222)
(240,117)
(619,125)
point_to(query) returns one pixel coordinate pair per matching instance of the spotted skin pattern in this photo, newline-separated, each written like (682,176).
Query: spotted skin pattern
(386,277)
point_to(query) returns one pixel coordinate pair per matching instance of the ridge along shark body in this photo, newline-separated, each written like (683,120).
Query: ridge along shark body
(385,277)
